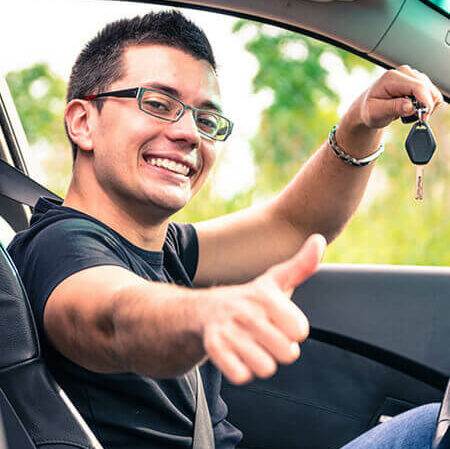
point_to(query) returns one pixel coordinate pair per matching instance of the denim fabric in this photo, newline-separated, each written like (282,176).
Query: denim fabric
(413,429)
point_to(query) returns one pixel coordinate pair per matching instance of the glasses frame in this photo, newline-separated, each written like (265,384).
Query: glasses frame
(138,93)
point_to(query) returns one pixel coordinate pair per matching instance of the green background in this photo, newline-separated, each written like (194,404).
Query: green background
(393,228)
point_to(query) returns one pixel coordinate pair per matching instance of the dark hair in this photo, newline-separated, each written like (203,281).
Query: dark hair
(100,62)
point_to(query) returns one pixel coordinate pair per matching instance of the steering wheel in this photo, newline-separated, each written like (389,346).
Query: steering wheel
(441,438)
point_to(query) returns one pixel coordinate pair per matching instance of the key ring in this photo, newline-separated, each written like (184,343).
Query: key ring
(421,111)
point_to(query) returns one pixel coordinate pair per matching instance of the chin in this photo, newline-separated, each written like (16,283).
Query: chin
(168,205)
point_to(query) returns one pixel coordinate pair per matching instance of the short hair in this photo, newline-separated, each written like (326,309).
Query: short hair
(100,63)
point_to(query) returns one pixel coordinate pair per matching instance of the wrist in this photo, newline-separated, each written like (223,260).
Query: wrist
(355,138)
(348,158)
(206,305)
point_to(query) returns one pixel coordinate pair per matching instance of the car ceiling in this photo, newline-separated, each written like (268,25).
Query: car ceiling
(388,32)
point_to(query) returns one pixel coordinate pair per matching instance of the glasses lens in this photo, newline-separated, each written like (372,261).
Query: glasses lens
(159,104)
(164,106)
(212,125)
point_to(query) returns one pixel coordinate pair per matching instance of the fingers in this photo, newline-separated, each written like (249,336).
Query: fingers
(277,284)
(287,275)
(246,336)
(387,99)
(413,82)
(242,355)
(422,77)
(226,360)
(253,355)
(285,315)
(255,326)
(282,348)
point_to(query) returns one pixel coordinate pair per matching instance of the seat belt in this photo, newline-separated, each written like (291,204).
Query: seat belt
(17,186)
(203,436)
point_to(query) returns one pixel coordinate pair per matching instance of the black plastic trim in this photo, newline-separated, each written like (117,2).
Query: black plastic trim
(436,8)
(388,358)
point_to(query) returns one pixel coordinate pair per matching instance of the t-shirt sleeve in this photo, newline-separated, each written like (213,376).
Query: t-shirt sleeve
(62,249)
(184,237)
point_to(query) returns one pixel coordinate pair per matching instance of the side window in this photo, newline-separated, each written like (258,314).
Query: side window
(286,95)
(6,232)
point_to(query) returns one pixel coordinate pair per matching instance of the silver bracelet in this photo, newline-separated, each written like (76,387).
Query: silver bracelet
(346,157)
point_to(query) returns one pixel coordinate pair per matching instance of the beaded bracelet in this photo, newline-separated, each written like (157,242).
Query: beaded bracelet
(346,157)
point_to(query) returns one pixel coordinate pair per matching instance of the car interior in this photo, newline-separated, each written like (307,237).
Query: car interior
(379,341)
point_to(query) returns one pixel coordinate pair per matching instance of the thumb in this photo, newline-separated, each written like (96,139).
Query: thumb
(384,111)
(403,107)
(287,275)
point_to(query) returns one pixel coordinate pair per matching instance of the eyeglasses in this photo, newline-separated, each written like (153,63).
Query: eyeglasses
(166,107)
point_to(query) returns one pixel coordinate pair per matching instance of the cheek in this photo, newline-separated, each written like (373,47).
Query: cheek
(108,164)
(126,129)
(208,158)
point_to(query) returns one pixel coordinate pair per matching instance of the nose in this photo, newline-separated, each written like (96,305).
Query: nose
(185,129)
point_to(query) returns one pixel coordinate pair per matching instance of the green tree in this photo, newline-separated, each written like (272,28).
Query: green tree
(395,228)
(39,96)
(303,106)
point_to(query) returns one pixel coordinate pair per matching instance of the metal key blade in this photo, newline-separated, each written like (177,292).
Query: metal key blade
(419,182)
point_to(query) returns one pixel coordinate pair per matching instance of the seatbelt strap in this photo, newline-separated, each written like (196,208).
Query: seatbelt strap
(17,186)
(203,436)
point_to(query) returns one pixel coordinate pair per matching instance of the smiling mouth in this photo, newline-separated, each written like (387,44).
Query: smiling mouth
(169,164)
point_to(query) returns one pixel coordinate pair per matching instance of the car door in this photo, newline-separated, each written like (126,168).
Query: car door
(379,340)
(378,346)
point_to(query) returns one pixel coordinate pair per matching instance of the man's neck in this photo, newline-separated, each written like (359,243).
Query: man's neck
(132,221)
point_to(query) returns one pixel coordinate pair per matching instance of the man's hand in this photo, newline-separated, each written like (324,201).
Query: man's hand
(248,329)
(386,100)
(360,130)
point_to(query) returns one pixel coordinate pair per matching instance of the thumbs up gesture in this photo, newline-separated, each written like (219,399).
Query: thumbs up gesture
(248,329)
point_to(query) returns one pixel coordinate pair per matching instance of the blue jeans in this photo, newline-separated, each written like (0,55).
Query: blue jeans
(413,429)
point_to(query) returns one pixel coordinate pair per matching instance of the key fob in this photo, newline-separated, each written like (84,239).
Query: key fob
(420,143)
(410,118)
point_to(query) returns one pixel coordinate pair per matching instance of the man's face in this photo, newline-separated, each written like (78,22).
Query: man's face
(128,142)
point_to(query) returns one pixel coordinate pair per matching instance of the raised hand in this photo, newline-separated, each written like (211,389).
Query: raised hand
(248,329)
(361,128)
(386,99)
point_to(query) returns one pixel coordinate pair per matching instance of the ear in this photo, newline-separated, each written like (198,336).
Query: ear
(79,123)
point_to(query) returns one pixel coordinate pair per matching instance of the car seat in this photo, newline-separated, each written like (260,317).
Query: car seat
(36,411)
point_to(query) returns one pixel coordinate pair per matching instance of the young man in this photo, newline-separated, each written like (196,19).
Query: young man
(110,278)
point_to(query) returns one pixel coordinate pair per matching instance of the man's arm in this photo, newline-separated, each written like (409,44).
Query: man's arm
(109,320)
(321,198)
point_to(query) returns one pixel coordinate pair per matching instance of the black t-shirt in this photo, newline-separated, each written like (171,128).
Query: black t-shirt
(124,410)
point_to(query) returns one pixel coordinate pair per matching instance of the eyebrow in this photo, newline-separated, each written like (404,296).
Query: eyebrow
(207,104)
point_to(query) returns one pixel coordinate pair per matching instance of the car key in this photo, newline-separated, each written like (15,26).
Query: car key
(420,145)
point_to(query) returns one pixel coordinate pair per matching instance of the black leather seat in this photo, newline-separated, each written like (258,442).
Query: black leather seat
(45,415)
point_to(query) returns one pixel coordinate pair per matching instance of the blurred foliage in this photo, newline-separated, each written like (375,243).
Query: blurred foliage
(395,228)
(390,227)
(303,106)
(39,96)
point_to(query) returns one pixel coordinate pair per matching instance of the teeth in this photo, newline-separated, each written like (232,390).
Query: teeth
(170,165)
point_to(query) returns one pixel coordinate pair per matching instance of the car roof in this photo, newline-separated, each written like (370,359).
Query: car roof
(387,32)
